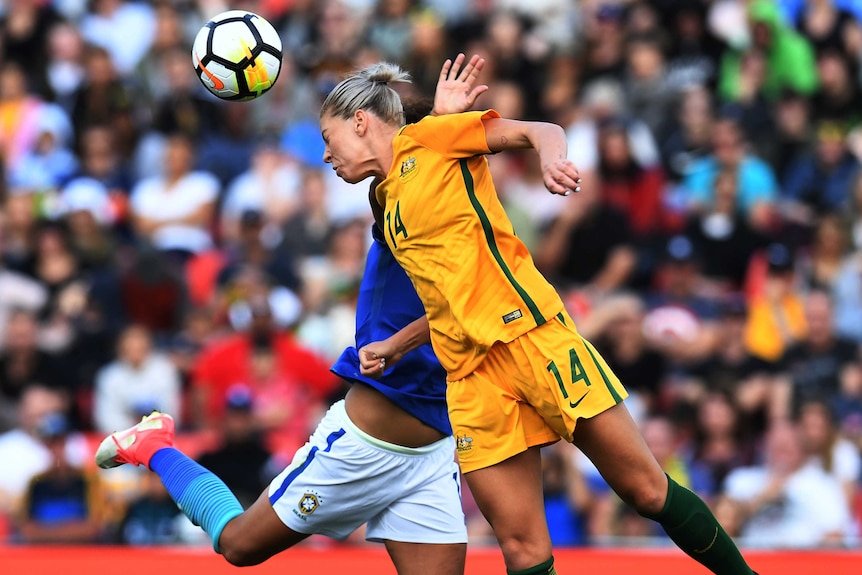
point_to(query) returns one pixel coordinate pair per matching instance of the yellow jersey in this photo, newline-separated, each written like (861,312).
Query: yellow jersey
(447,228)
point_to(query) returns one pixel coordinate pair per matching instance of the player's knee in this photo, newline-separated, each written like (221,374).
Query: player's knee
(647,498)
(524,549)
(239,553)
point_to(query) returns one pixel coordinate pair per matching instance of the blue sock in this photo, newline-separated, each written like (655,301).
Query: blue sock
(202,496)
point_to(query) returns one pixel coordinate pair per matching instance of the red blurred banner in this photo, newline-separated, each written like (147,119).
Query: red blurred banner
(374,561)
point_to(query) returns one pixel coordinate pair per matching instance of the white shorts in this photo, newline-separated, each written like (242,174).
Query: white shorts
(344,478)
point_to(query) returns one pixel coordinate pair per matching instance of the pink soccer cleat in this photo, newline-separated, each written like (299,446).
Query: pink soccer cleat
(137,444)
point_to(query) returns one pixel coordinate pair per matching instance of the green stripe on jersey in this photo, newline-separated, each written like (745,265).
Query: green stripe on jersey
(492,244)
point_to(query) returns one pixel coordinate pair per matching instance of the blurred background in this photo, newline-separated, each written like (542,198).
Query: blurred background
(161,248)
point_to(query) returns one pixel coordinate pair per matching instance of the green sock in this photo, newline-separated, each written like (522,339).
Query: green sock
(546,568)
(692,526)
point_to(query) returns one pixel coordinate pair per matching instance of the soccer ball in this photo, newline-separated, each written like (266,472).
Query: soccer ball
(237,55)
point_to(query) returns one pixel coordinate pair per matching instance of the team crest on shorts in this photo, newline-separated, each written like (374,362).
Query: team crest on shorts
(309,503)
(463,443)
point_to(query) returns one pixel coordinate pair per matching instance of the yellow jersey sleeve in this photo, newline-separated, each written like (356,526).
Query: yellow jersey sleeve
(453,135)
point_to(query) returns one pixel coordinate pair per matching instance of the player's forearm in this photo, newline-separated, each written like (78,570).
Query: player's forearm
(549,141)
(411,336)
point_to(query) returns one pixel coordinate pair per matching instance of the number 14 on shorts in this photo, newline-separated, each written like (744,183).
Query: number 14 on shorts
(578,374)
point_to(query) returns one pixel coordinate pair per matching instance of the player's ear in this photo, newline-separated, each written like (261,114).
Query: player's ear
(360,122)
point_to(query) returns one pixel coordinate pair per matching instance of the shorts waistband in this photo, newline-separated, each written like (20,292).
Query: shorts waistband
(338,409)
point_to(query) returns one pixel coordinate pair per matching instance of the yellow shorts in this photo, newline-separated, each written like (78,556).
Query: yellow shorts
(529,392)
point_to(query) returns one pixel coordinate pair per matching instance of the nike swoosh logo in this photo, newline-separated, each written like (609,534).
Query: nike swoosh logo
(219,85)
(578,402)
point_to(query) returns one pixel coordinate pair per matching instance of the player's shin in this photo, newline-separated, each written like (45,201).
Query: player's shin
(692,526)
(202,496)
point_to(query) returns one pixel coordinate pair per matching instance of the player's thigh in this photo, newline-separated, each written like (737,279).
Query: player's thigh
(509,494)
(563,376)
(336,482)
(427,558)
(612,441)
(427,503)
(490,420)
(256,535)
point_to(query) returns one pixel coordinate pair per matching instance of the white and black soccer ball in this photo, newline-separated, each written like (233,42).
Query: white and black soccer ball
(237,55)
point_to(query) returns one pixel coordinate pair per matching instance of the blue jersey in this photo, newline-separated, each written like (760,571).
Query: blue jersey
(387,303)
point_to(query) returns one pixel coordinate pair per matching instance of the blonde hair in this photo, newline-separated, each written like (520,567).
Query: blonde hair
(368,89)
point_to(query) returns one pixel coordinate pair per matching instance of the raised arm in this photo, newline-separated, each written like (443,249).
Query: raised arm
(549,140)
(455,92)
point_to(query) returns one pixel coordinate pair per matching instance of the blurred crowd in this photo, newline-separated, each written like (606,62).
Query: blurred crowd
(162,248)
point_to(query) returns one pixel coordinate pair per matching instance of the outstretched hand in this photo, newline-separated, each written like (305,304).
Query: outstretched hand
(455,91)
(561,177)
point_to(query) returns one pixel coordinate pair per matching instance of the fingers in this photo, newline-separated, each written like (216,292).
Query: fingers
(456,66)
(452,70)
(475,93)
(562,179)
(444,71)
(474,67)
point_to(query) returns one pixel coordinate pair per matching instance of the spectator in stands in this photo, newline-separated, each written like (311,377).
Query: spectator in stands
(306,232)
(174,212)
(792,133)
(17,291)
(65,63)
(610,261)
(105,98)
(648,94)
(629,186)
(64,504)
(19,110)
(152,518)
(820,266)
(681,314)
(757,188)
(829,26)
(818,182)
(49,162)
(776,319)
(57,268)
(827,449)
(839,90)
(567,498)
(270,187)
(124,29)
(137,382)
(784,502)
(241,459)
(732,369)
(789,56)
(694,52)
(817,363)
(258,244)
(722,440)
(616,326)
(23,363)
(723,236)
(85,207)
(24,36)
(21,211)
(688,139)
(23,445)
(603,99)
(101,159)
(228,361)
